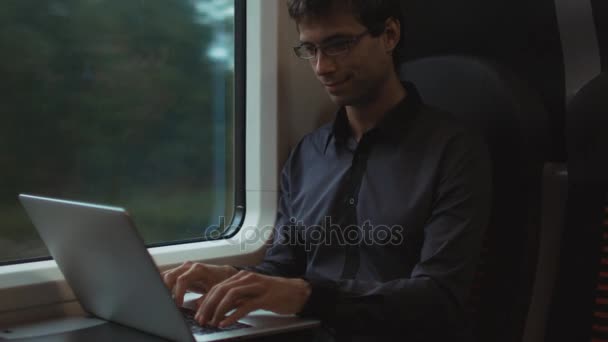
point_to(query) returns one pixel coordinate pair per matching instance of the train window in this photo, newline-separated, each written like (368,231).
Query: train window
(127,103)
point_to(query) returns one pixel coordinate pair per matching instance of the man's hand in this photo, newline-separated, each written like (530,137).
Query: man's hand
(195,277)
(245,292)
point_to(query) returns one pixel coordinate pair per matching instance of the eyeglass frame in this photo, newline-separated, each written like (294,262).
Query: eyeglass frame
(348,44)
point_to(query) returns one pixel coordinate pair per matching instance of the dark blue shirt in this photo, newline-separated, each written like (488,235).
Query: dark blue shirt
(387,230)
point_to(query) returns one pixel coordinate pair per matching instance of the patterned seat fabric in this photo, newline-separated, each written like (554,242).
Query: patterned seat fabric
(579,310)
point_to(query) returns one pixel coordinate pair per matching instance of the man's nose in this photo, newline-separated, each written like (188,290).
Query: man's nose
(323,64)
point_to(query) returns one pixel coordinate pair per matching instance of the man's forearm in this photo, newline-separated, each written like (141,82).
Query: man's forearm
(417,304)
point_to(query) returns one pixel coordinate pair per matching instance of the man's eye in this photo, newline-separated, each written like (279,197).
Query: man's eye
(337,46)
(309,49)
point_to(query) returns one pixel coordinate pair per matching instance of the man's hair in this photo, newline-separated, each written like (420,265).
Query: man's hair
(371,13)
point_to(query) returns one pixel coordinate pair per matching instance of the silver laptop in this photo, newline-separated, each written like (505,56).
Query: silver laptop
(107,265)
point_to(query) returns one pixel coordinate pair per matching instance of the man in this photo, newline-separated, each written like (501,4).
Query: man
(381,212)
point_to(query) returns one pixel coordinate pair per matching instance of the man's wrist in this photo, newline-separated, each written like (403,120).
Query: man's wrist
(303,291)
(306,289)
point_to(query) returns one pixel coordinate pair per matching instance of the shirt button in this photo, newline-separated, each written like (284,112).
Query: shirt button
(351,201)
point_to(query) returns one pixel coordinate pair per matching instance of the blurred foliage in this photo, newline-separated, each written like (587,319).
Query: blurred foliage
(111,102)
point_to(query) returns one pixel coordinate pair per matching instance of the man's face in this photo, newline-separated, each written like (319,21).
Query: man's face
(355,77)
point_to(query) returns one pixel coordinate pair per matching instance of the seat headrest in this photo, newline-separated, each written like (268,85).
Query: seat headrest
(486,96)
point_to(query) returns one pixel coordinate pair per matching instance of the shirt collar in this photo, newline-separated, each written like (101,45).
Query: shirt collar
(391,126)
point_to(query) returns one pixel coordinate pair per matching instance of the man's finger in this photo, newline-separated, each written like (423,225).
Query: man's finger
(170,276)
(239,313)
(199,301)
(237,276)
(183,282)
(210,301)
(235,298)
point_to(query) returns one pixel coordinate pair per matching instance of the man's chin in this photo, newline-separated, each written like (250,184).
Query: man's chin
(352,99)
(341,100)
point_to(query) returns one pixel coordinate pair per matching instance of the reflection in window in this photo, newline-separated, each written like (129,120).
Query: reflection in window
(128,103)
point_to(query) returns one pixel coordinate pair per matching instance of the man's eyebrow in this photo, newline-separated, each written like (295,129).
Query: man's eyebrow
(329,39)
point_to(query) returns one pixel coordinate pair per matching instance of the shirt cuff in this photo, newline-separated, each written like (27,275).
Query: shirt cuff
(322,300)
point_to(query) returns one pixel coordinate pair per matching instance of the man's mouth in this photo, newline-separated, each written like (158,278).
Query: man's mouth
(334,85)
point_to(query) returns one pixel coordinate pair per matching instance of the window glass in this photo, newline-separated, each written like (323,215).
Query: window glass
(125,103)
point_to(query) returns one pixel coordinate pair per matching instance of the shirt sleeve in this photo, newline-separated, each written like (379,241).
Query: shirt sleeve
(284,257)
(434,294)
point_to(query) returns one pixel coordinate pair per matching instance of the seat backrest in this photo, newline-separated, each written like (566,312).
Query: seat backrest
(522,35)
(512,119)
(579,310)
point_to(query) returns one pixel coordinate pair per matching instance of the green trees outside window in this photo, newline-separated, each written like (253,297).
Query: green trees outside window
(127,103)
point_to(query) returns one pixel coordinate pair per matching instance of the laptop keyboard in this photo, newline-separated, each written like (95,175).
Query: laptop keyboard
(206,329)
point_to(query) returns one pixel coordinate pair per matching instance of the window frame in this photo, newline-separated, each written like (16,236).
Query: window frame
(35,290)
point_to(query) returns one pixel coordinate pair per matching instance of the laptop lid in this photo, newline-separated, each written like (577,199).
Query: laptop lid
(107,265)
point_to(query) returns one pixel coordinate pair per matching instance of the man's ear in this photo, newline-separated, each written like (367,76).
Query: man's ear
(392,34)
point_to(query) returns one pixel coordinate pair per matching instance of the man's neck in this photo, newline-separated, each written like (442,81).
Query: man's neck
(364,117)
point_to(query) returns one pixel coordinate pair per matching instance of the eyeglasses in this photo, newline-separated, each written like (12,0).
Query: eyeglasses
(335,47)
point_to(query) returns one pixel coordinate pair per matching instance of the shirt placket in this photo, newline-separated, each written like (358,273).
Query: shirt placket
(348,216)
